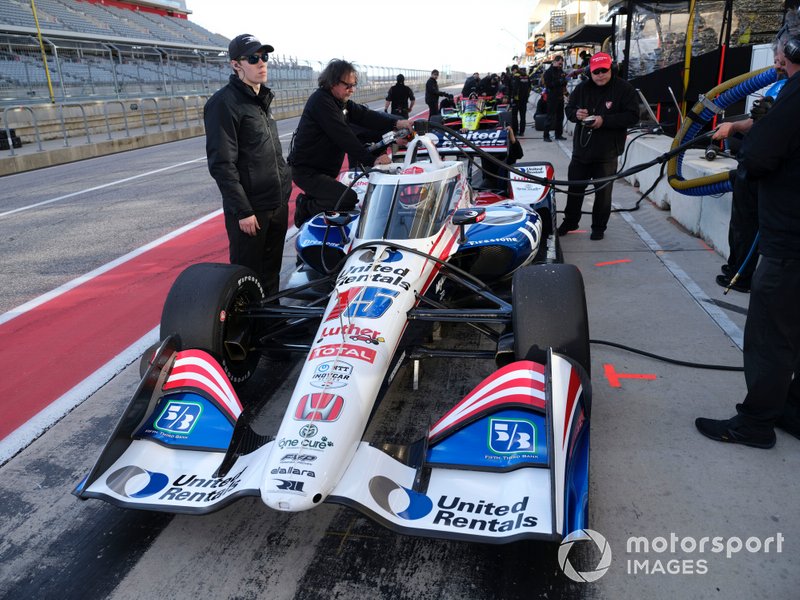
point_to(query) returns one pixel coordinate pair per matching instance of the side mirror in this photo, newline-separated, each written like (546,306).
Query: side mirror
(339,219)
(467,216)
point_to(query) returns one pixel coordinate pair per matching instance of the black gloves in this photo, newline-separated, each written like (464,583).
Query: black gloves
(761,107)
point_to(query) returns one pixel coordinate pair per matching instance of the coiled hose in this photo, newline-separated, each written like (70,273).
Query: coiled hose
(721,97)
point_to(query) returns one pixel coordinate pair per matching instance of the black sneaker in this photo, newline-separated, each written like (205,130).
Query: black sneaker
(727,270)
(733,432)
(565,228)
(789,421)
(561,138)
(547,138)
(596,235)
(740,286)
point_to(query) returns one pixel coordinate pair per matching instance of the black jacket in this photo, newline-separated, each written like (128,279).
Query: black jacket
(399,95)
(770,154)
(243,150)
(470,86)
(616,102)
(520,86)
(324,135)
(555,80)
(432,92)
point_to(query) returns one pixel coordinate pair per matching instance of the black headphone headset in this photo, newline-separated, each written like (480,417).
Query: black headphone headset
(791,50)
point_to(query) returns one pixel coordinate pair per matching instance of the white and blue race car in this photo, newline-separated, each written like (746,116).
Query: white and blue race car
(508,461)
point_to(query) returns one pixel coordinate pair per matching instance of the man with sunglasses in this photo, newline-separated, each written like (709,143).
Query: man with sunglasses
(603,106)
(244,158)
(324,136)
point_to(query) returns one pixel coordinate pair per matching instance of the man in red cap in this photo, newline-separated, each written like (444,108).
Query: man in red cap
(603,107)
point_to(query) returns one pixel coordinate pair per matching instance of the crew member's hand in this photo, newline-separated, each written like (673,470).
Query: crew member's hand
(723,131)
(404,124)
(249,225)
(383,159)
(598,123)
(581,114)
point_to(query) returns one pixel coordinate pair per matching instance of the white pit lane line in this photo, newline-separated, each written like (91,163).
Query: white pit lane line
(698,295)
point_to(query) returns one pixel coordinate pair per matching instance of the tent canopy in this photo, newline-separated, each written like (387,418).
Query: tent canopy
(585,35)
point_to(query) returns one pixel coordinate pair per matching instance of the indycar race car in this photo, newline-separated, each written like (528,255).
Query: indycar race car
(508,461)
(481,121)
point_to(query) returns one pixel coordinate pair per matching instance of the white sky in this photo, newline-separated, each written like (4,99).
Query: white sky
(462,35)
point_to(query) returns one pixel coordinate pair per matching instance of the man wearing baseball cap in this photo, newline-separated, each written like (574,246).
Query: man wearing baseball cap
(603,106)
(244,158)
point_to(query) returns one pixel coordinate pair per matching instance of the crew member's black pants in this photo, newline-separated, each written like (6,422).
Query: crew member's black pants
(433,108)
(555,110)
(519,111)
(743,226)
(772,343)
(601,210)
(321,193)
(262,252)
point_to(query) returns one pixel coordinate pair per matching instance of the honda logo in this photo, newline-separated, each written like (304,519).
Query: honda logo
(319,407)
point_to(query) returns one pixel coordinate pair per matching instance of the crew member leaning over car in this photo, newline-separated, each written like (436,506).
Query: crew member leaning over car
(324,136)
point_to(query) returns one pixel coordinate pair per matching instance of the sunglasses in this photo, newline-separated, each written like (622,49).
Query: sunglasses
(600,71)
(349,86)
(254,58)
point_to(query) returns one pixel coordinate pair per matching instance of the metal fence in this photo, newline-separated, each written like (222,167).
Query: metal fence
(81,70)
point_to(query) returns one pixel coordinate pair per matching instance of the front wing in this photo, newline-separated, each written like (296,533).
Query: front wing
(508,462)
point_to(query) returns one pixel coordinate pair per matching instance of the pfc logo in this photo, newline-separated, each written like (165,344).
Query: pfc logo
(319,407)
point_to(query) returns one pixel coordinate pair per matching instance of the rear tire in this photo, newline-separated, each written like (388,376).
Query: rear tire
(203,307)
(549,311)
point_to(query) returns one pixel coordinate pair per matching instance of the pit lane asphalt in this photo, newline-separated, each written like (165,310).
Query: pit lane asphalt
(652,474)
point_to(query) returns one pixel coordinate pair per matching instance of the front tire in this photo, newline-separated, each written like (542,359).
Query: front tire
(204,308)
(549,311)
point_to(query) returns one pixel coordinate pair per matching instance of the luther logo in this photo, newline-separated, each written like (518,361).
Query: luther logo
(511,436)
(178,417)
(319,407)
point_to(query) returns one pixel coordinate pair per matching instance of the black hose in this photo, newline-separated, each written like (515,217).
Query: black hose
(681,363)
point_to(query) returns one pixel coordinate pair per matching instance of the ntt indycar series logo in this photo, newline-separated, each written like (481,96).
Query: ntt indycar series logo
(450,511)
(137,483)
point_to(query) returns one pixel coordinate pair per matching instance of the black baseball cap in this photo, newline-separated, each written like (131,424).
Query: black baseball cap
(246,44)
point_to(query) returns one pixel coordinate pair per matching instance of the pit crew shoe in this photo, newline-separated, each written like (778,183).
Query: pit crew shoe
(561,138)
(596,235)
(742,286)
(734,432)
(547,138)
(565,228)
(727,270)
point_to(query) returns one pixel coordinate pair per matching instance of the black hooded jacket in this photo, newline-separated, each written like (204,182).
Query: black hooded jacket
(324,135)
(617,103)
(770,154)
(243,149)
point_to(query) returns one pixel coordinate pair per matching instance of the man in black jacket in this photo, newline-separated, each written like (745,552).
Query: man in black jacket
(432,94)
(520,94)
(770,155)
(324,136)
(471,85)
(244,158)
(555,82)
(400,98)
(603,107)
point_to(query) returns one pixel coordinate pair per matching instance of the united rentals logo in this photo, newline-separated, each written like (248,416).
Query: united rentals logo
(146,483)
(584,535)
(319,407)
(398,500)
(135,482)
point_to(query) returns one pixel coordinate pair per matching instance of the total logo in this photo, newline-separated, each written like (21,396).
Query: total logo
(345,350)
(137,483)
(319,407)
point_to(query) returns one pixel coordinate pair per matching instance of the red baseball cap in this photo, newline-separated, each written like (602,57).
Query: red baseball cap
(601,60)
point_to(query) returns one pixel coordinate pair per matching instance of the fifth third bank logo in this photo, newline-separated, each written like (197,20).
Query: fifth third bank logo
(584,536)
